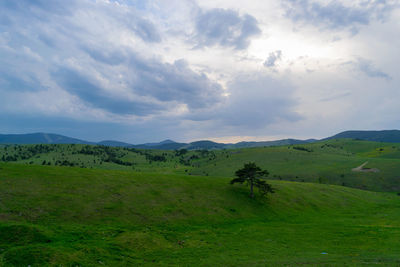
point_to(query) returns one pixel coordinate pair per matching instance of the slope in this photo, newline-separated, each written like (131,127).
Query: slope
(330,161)
(39,138)
(71,216)
(390,136)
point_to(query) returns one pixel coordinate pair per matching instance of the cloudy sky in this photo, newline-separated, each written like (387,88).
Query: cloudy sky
(141,71)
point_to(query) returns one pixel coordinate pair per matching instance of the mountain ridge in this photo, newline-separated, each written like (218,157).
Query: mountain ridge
(40,138)
(391,136)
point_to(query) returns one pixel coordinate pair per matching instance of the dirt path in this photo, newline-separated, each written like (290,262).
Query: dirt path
(362,169)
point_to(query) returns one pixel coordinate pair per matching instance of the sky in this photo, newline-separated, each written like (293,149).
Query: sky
(144,71)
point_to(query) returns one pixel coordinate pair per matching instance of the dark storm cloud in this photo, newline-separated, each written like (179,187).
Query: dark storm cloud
(335,15)
(226,28)
(59,47)
(94,95)
(162,84)
(174,82)
(18,83)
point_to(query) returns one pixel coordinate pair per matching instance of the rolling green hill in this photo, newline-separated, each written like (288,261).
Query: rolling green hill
(52,215)
(330,161)
(389,136)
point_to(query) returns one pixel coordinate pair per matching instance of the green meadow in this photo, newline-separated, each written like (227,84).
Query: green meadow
(78,205)
(325,162)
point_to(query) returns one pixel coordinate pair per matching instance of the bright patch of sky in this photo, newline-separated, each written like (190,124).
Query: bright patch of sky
(144,71)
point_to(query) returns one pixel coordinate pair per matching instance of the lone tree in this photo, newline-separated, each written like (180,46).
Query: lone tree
(253,175)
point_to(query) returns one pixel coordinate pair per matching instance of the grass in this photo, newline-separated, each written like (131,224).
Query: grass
(328,162)
(51,215)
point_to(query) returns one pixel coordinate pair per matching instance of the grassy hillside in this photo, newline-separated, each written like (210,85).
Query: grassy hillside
(89,156)
(81,217)
(329,162)
(392,136)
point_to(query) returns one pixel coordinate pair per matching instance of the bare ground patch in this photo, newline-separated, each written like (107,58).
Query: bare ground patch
(362,168)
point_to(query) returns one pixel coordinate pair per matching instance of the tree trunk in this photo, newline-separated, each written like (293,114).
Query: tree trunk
(251,189)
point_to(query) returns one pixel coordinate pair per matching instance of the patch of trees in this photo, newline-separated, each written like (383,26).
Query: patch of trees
(40,149)
(187,161)
(302,148)
(184,161)
(95,150)
(180,152)
(9,158)
(25,152)
(151,157)
(204,153)
(118,161)
(192,157)
(333,146)
(107,154)
(65,163)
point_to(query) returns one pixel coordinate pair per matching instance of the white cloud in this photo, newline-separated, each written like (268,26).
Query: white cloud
(134,63)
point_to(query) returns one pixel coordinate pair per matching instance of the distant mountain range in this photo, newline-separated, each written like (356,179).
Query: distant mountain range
(387,136)
(392,136)
(39,138)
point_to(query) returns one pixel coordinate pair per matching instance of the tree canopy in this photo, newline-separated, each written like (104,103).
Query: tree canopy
(253,176)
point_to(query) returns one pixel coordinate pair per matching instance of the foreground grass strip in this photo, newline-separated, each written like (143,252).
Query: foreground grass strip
(71,216)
